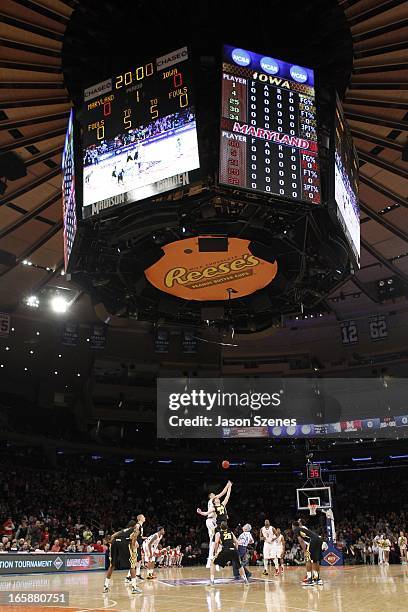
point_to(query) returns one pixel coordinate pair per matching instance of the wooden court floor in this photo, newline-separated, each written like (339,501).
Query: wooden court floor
(345,589)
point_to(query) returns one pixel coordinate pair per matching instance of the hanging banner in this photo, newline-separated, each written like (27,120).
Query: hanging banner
(4,324)
(377,327)
(162,341)
(190,342)
(97,337)
(70,334)
(349,332)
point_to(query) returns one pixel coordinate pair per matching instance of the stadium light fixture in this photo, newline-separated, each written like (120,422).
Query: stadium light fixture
(398,456)
(32,301)
(361,458)
(59,304)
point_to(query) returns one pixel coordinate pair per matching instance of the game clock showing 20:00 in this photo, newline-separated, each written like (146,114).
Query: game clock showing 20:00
(136,97)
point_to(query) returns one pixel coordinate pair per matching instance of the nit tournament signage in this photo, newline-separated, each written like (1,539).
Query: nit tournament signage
(186,272)
(33,563)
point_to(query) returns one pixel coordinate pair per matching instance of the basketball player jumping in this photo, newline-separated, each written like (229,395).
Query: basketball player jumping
(311,543)
(123,555)
(150,546)
(212,515)
(268,536)
(225,550)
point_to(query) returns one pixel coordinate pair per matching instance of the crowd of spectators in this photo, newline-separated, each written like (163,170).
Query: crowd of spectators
(138,134)
(75,506)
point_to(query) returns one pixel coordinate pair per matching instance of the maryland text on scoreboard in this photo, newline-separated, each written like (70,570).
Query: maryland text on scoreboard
(268,138)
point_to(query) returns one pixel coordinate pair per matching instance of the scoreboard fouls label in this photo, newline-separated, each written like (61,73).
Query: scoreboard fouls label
(268,138)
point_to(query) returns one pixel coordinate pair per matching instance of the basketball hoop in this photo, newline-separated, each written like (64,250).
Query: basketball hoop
(312,509)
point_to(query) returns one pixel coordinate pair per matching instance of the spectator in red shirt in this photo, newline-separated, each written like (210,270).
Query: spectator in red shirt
(99,547)
(56,546)
(8,527)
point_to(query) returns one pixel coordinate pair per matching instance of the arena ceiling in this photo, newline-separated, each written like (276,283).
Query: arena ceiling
(34,107)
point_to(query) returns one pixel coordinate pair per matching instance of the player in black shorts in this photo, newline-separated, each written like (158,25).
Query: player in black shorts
(311,543)
(123,554)
(140,539)
(228,553)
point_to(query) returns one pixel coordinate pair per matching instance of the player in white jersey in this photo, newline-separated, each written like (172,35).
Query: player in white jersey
(268,536)
(402,543)
(211,520)
(150,546)
(386,544)
(278,551)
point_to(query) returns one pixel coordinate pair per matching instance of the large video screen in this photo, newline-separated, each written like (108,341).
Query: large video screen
(268,138)
(68,191)
(139,133)
(346,182)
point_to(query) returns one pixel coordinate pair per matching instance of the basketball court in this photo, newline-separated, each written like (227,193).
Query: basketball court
(345,589)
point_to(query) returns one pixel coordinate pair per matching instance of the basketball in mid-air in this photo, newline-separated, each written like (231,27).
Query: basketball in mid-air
(225,464)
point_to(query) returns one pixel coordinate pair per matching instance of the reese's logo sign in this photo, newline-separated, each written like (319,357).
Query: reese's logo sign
(187,273)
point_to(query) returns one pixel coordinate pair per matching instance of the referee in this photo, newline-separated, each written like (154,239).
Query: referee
(244,540)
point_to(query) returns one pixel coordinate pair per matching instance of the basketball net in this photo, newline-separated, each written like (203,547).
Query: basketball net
(312,509)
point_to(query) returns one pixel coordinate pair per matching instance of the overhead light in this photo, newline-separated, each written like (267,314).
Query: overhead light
(13,329)
(361,458)
(59,304)
(270,464)
(78,374)
(55,372)
(202,461)
(32,301)
(165,461)
(25,369)
(2,365)
(391,456)
(60,355)
(37,333)
(27,263)
(7,348)
(31,352)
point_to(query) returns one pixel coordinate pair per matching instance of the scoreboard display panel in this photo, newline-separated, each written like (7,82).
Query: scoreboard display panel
(139,132)
(268,140)
(69,195)
(346,182)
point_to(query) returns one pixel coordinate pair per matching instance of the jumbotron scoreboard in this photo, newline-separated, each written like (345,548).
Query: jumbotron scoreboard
(139,133)
(268,140)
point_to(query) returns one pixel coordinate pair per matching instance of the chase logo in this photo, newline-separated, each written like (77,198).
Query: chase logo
(269,65)
(298,74)
(241,57)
